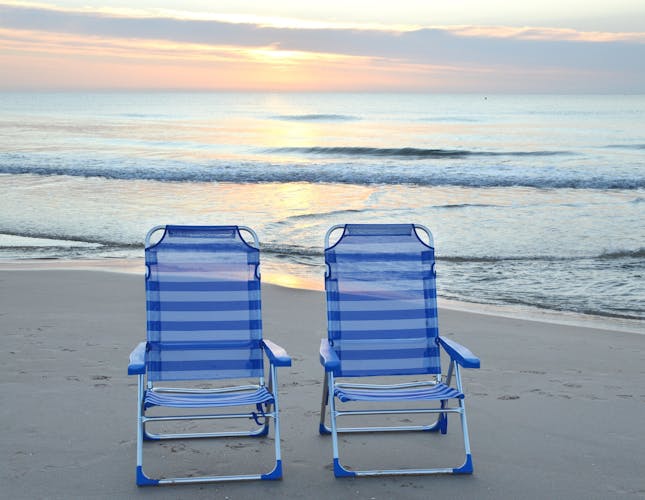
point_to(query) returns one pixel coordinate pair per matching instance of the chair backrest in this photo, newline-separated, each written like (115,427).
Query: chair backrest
(203,304)
(381,301)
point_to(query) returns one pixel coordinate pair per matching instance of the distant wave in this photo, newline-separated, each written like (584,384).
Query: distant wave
(475,176)
(548,304)
(60,239)
(315,117)
(148,116)
(620,254)
(465,205)
(411,153)
(290,249)
(326,214)
(32,249)
(626,146)
(449,119)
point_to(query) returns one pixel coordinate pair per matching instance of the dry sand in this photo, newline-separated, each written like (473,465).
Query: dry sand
(555,411)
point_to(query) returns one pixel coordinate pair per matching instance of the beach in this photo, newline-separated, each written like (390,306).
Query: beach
(555,411)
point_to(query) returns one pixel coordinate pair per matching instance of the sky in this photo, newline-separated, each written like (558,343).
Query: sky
(494,46)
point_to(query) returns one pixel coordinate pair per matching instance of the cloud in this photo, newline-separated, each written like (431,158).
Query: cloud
(613,57)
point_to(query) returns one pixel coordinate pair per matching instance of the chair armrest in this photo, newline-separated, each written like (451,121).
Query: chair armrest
(276,354)
(459,353)
(328,357)
(137,364)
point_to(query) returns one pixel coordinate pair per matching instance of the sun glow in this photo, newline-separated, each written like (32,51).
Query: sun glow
(167,46)
(128,62)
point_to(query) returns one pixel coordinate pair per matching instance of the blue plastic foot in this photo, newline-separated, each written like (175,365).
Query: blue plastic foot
(466,468)
(264,432)
(340,471)
(143,480)
(276,473)
(323,429)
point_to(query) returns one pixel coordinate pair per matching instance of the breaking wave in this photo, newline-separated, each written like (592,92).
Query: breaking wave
(462,174)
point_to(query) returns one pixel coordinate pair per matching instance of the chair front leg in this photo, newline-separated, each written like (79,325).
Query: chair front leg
(277,471)
(140,430)
(141,478)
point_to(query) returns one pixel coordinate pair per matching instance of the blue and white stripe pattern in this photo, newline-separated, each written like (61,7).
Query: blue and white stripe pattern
(424,393)
(381,302)
(203,305)
(214,400)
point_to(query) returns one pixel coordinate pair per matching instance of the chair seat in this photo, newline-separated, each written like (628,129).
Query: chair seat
(207,399)
(426,393)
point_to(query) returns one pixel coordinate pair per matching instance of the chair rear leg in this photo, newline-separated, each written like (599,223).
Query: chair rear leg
(323,429)
(443,419)
(467,467)
(141,478)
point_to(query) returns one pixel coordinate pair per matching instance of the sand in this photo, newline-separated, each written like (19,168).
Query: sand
(556,411)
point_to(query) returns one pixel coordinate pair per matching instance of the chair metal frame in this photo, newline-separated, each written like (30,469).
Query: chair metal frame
(221,397)
(459,357)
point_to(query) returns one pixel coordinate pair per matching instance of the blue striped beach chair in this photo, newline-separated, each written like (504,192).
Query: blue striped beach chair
(382,322)
(204,324)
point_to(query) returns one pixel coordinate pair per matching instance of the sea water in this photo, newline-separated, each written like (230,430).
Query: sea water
(533,200)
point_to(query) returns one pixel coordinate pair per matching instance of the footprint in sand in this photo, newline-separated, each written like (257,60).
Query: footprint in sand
(100,377)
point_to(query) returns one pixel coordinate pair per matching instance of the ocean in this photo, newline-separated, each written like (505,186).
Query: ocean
(535,201)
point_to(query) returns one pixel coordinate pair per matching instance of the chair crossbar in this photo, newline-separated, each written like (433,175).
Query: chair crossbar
(170,418)
(407,411)
(407,428)
(194,435)
(391,428)
(209,479)
(403,472)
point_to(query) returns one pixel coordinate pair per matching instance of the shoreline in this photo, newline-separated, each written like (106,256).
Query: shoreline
(520,312)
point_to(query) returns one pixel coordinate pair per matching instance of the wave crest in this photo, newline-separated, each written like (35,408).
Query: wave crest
(408,152)
(316,117)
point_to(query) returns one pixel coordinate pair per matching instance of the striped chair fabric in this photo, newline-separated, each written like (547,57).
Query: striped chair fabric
(203,305)
(381,301)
